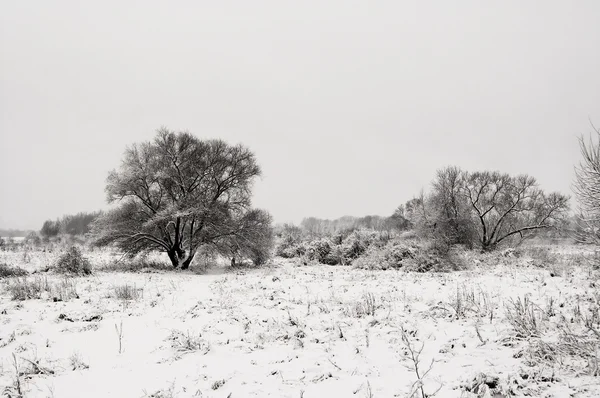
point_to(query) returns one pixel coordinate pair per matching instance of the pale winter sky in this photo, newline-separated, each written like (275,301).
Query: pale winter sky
(349,106)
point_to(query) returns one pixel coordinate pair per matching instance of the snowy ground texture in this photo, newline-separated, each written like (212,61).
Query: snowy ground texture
(304,331)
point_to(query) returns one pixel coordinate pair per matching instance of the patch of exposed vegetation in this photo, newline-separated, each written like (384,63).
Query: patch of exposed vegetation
(73,262)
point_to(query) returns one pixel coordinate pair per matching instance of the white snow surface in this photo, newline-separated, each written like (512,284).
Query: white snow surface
(282,331)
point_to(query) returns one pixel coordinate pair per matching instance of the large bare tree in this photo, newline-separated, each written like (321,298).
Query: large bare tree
(177,193)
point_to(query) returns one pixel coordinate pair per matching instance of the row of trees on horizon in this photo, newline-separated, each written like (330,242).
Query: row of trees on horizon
(76,224)
(179,194)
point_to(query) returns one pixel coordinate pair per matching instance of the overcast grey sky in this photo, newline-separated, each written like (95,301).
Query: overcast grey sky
(349,106)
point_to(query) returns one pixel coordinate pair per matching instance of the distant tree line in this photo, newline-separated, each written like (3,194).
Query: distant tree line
(321,227)
(77,225)
(13,233)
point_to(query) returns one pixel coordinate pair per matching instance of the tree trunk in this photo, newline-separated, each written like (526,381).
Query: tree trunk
(173,257)
(488,246)
(188,261)
(180,253)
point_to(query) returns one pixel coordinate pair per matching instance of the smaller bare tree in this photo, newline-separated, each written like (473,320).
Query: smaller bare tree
(505,206)
(484,208)
(587,189)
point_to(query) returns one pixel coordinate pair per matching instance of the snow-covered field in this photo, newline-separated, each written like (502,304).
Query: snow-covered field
(302,331)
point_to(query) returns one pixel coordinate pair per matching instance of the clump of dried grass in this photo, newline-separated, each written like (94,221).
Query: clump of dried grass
(526,318)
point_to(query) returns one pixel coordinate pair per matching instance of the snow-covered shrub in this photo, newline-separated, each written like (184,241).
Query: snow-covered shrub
(437,257)
(395,255)
(410,256)
(73,262)
(320,250)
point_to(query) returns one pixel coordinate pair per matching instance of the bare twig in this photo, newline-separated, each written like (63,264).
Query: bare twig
(37,369)
(17,376)
(483,341)
(334,364)
(369,391)
(417,389)
(119,330)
